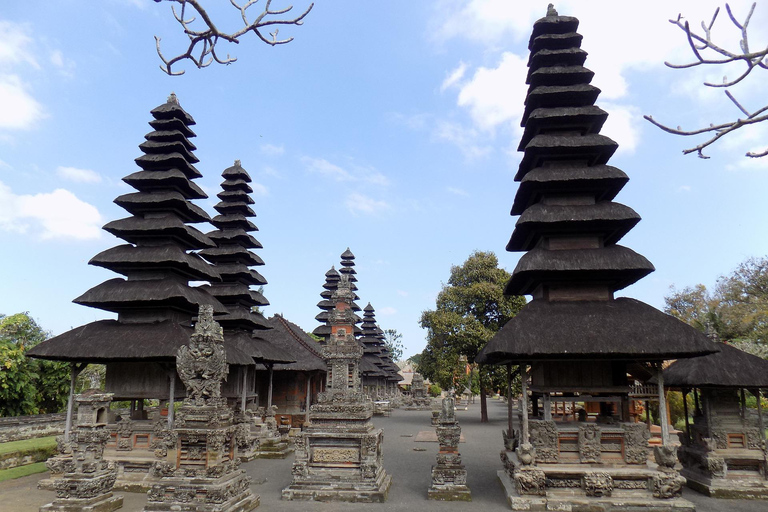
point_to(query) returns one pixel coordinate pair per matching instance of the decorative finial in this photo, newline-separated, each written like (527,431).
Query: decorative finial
(173,99)
(237,163)
(551,11)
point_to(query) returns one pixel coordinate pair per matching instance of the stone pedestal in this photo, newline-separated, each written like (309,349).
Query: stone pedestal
(419,399)
(86,480)
(449,477)
(202,474)
(338,455)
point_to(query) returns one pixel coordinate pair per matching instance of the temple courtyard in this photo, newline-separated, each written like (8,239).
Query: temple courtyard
(407,459)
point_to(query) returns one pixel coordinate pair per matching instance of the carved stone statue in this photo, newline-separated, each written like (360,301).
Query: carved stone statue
(202,365)
(449,477)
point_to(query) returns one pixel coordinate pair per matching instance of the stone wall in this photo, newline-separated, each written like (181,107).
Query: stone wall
(18,428)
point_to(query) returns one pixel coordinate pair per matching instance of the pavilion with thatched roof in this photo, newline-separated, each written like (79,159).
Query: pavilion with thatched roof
(578,339)
(724,451)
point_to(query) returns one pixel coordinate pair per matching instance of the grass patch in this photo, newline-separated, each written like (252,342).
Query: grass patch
(29,469)
(39,443)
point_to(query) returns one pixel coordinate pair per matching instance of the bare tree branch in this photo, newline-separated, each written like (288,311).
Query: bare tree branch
(203,40)
(702,43)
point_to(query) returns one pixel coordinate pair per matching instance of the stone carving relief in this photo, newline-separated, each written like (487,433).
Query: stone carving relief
(589,443)
(335,455)
(668,485)
(530,481)
(543,435)
(636,437)
(202,365)
(598,484)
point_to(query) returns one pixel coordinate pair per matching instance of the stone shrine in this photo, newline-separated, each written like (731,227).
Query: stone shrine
(419,399)
(202,473)
(86,479)
(449,477)
(724,452)
(582,343)
(338,456)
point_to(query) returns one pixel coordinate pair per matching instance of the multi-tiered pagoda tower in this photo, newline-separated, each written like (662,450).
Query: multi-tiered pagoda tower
(372,365)
(154,303)
(580,341)
(233,258)
(332,278)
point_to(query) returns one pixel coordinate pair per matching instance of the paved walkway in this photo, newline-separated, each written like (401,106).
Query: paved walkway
(403,459)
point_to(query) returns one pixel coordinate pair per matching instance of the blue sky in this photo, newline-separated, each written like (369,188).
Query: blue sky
(387,127)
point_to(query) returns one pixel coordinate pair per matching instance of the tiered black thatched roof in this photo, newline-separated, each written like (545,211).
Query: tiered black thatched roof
(729,368)
(155,305)
(372,365)
(332,278)
(290,338)
(232,258)
(569,226)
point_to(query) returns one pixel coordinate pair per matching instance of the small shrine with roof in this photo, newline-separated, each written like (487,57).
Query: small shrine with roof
(575,341)
(723,452)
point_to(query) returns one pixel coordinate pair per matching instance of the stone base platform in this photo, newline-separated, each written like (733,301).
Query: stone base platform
(340,491)
(569,501)
(727,488)
(228,493)
(417,408)
(106,503)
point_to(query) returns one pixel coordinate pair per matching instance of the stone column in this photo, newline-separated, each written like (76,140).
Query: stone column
(88,479)
(449,477)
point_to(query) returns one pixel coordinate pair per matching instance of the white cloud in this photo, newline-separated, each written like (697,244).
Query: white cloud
(270,171)
(18,109)
(78,175)
(495,95)
(402,293)
(64,65)
(272,150)
(457,191)
(386,311)
(54,215)
(353,173)
(623,126)
(361,204)
(259,189)
(464,137)
(684,188)
(15,43)
(454,76)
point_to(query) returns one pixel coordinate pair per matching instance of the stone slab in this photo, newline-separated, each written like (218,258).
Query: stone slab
(565,503)
(106,503)
(454,493)
(327,493)
(430,436)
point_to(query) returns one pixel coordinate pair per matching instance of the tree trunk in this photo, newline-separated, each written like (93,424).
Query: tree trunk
(483,401)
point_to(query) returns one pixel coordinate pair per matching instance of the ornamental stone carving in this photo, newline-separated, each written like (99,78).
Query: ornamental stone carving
(665,456)
(598,484)
(543,435)
(202,365)
(636,437)
(526,453)
(589,443)
(531,481)
(667,485)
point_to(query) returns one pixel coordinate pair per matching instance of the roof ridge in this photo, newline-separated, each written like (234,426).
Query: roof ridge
(296,337)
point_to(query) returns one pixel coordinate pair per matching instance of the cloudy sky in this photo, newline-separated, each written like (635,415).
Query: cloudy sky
(390,128)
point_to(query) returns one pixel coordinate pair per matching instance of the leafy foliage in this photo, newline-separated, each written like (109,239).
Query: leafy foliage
(737,309)
(28,386)
(469,310)
(394,343)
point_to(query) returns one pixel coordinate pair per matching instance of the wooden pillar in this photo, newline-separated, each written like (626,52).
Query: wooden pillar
(74,371)
(243,395)
(708,412)
(524,403)
(743,404)
(685,411)
(509,400)
(269,392)
(760,423)
(171,398)
(697,406)
(664,419)
(648,414)
(309,395)
(547,407)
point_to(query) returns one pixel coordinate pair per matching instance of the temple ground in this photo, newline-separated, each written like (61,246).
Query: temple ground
(407,460)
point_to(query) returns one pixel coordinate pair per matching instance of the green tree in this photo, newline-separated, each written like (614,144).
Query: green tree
(469,310)
(28,386)
(737,309)
(393,340)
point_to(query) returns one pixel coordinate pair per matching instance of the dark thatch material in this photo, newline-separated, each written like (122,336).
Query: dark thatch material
(174,135)
(165,180)
(609,219)
(553,96)
(560,75)
(729,368)
(127,258)
(586,119)
(118,294)
(553,25)
(615,264)
(293,340)
(232,252)
(601,181)
(593,148)
(257,348)
(172,110)
(554,42)
(137,229)
(111,341)
(571,56)
(620,329)
(163,147)
(137,203)
(153,162)
(168,125)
